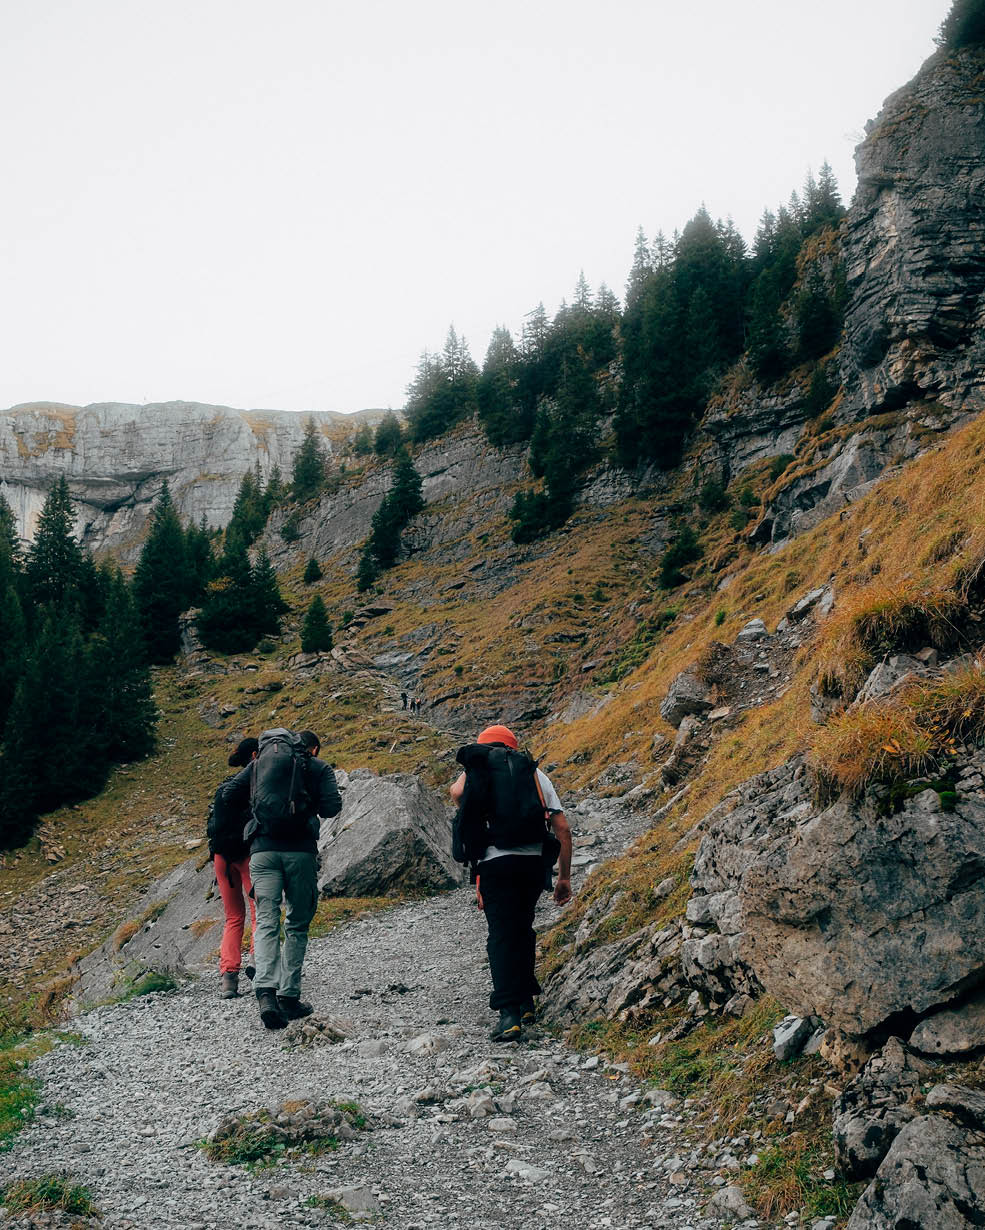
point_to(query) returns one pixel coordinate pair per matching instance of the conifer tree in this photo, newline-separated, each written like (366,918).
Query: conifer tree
(162,580)
(8,531)
(312,571)
(54,559)
(269,604)
(367,571)
(389,435)
(964,25)
(13,640)
(227,621)
(308,475)
(362,441)
(120,708)
(316,631)
(275,492)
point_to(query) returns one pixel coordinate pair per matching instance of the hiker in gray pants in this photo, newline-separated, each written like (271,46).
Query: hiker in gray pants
(286,866)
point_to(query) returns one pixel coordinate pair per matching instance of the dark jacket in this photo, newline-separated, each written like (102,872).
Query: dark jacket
(325,801)
(226,823)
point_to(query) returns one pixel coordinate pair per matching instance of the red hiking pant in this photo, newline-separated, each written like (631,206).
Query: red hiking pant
(234,886)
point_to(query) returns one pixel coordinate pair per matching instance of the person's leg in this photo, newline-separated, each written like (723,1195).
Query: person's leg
(230,889)
(301,889)
(510,888)
(267,876)
(243,866)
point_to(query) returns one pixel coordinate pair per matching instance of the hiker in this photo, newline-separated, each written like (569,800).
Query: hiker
(288,789)
(403,697)
(231,860)
(514,831)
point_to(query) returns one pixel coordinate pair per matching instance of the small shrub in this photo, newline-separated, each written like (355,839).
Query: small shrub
(713,497)
(720,616)
(598,594)
(747,497)
(779,464)
(290,531)
(47,1193)
(459,669)
(683,550)
(791,580)
(739,519)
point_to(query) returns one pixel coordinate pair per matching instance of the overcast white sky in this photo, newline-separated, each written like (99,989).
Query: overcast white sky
(281,204)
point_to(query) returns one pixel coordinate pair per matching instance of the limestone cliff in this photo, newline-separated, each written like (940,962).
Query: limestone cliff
(116,457)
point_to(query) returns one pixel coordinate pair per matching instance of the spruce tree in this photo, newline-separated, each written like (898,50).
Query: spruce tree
(308,474)
(316,632)
(389,435)
(163,585)
(54,559)
(964,25)
(269,604)
(228,619)
(119,704)
(13,641)
(362,441)
(312,571)
(8,531)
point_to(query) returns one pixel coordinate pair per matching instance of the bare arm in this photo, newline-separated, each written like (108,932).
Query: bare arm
(562,831)
(457,789)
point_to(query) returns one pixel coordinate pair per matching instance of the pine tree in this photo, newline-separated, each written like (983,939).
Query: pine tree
(389,435)
(818,322)
(228,618)
(276,492)
(54,560)
(316,631)
(362,441)
(119,705)
(269,604)
(308,474)
(312,571)
(162,581)
(406,494)
(964,25)
(8,531)
(13,641)
(249,514)
(367,572)
(199,560)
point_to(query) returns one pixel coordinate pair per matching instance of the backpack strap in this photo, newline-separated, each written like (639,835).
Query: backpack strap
(540,795)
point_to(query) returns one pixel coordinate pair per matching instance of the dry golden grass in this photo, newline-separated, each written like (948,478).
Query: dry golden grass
(912,734)
(126,931)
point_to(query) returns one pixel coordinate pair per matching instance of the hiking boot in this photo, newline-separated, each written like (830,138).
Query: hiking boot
(229,986)
(509,1028)
(250,972)
(528,1012)
(293,1007)
(270,1012)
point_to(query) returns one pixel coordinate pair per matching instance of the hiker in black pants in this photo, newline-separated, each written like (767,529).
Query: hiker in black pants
(510,877)
(403,697)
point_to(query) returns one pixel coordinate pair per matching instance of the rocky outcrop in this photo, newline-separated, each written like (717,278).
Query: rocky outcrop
(934,1176)
(116,458)
(914,246)
(856,916)
(393,835)
(874,1109)
(177,925)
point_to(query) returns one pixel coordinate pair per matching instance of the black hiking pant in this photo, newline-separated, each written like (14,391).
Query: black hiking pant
(510,886)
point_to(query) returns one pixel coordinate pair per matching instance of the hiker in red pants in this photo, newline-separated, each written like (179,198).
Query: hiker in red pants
(231,859)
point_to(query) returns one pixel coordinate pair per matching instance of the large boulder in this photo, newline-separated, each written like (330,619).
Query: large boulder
(953,1031)
(933,1178)
(686,696)
(853,916)
(393,835)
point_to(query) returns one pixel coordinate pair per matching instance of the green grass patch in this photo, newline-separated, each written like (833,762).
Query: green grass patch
(150,982)
(45,1194)
(332,912)
(18,1091)
(790,1175)
(636,651)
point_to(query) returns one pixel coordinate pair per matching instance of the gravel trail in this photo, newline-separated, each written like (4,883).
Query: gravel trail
(463,1130)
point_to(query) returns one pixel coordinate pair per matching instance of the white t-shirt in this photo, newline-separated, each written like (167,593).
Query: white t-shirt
(551,802)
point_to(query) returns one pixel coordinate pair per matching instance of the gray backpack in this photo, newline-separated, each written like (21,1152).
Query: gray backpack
(279,799)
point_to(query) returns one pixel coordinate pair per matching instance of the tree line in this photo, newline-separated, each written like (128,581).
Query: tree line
(693,305)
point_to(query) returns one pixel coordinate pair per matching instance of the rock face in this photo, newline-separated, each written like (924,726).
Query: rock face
(914,245)
(841,913)
(853,916)
(934,1176)
(392,835)
(953,1031)
(116,457)
(177,924)
(874,1109)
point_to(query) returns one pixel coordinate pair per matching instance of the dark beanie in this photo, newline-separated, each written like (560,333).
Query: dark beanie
(244,753)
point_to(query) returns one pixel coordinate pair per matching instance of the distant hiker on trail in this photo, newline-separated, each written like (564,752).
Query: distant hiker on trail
(510,826)
(287,789)
(231,859)
(403,698)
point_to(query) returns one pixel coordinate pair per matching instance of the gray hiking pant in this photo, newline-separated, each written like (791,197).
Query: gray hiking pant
(294,874)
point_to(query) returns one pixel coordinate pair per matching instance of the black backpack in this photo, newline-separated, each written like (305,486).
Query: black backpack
(224,826)
(501,805)
(279,799)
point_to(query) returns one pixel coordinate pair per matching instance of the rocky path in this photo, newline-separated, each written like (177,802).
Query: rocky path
(462,1130)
